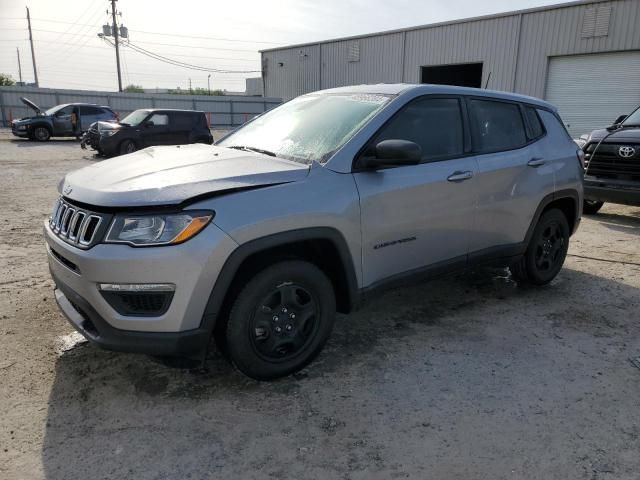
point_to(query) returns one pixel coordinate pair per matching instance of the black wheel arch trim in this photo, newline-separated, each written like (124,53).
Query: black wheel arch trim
(548,200)
(231,266)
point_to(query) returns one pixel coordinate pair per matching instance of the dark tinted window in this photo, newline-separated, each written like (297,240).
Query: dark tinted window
(88,110)
(496,125)
(182,120)
(535,129)
(433,123)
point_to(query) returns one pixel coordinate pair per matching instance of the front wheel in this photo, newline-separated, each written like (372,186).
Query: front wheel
(41,134)
(546,252)
(591,207)
(127,146)
(280,320)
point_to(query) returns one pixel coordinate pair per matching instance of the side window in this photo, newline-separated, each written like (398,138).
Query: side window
(534,127)
(182,120)
(65,111)
(433,123)
(87,110)
(496,125)
(159,119)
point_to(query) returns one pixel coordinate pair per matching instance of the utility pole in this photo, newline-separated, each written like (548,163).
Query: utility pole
(190,89)
(33,55)
(209,83)
(19,65)
(116,36)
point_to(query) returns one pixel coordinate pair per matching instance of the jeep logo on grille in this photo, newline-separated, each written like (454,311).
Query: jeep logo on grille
(67,190)
(626,152)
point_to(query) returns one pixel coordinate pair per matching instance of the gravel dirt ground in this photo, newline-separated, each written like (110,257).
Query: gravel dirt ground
(469,377)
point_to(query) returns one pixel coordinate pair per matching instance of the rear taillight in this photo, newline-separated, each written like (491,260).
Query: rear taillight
(580,154)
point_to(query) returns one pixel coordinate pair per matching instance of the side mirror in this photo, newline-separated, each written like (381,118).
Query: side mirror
(147,123)
(620,119)
(393,153)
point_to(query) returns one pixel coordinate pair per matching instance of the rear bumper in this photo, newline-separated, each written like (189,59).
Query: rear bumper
(613,191)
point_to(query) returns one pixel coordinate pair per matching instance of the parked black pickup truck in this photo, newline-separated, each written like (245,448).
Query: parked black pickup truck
(612,163)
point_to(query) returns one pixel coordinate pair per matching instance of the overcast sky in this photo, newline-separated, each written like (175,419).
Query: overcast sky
(69,53)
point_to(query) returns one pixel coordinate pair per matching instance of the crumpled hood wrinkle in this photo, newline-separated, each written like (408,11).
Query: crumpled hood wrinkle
(171,175)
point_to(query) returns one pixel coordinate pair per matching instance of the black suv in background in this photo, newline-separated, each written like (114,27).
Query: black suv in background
(56,121)
(148,127)
(612,163)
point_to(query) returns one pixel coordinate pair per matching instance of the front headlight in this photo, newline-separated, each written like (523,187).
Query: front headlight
(108,133)
(158,229)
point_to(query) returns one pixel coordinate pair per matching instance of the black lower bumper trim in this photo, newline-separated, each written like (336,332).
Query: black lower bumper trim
(603,193)
(98,331)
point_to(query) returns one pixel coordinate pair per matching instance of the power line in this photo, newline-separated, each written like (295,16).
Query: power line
(205,38)
(184,64)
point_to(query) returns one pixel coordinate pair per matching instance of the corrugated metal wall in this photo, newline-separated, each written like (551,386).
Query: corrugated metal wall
(515,48)
(382,55)
(559,32)
(223,111)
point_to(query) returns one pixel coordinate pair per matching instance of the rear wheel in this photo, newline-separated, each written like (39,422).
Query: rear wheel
(546,252)
(41,134)
(281,320)
(127,146)
(591,207)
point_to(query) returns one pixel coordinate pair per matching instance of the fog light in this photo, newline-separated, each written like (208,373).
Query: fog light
(137,287)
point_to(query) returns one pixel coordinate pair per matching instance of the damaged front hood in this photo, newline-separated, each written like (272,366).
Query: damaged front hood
(31,105)
(170,175)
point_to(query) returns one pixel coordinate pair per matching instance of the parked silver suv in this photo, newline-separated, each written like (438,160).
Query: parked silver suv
(308,210)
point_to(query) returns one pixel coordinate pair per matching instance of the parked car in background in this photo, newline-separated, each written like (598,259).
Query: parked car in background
(146,128)
(612,163)
(310,208)
(56,121)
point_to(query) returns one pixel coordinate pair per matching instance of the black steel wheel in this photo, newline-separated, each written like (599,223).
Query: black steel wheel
(591,207)
(127,146)
(546,252)
(281,320)
(41,134)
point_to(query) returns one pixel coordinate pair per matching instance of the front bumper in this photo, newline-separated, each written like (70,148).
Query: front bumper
(613,191)
(192,267)
(24,133)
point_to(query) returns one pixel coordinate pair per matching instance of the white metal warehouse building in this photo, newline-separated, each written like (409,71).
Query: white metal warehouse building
(584,57)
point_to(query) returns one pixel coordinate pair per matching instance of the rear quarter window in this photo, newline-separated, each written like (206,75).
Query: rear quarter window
(496,125)
(534,125)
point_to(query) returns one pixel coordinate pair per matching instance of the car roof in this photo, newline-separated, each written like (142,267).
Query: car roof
(169,110)
(400,88)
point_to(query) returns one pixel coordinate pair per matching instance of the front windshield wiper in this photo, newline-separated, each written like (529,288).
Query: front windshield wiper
(253,149)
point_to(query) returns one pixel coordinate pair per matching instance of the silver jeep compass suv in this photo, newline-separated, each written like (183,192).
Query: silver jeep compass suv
(305,211)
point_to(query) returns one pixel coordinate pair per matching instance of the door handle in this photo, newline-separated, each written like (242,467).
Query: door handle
(536,162)
(460,176)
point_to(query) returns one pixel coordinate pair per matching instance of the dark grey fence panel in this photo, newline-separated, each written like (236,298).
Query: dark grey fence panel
(222,111)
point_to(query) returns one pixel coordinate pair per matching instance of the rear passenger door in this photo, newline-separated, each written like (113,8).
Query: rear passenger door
(417,216)
(514,174)
(88,115)
(181,127)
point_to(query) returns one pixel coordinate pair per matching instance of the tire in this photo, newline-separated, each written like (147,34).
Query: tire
(127,146)
(281,320)
(546,251)
(41,134)
(591,207)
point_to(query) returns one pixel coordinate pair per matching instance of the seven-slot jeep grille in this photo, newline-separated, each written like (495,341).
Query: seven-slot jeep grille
(75,225)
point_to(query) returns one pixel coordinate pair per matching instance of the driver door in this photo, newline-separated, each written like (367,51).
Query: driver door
(62,121)
(154,130)
(419,216)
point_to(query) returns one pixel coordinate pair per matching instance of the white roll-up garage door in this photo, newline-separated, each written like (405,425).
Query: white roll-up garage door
(591,91)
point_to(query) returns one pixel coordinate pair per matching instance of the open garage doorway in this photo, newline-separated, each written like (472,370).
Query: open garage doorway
(462,75)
